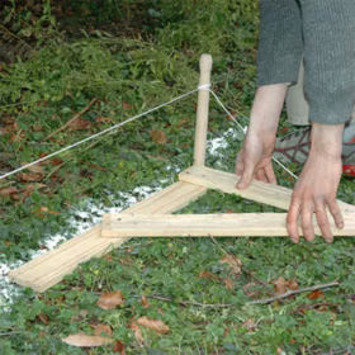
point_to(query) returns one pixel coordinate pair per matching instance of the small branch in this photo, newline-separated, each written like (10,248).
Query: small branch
(192,303)
(79,114)
(294,292)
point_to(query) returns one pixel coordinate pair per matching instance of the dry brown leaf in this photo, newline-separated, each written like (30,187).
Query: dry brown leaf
(119,348)
(126,105)
(208,275)
(158,137)
(101,119)
(137,332)
(86,341)
(30,177)
(155,324)
(37,169)
(110,300)
(229,284)
(103,328)
(233,262)
(280,285)
(79,124)
(144,301)
(43,318)
(315,295)
(8,191)
(292,284)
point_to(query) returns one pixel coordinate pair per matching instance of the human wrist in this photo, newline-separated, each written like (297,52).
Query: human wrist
(327,140)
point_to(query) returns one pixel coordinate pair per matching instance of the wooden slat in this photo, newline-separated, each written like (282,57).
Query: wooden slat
(273,195)
(218,225)
(50,268)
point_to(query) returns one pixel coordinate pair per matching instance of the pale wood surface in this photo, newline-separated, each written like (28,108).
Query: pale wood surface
(217,225)
(202,111)
(273,195)
(50,268)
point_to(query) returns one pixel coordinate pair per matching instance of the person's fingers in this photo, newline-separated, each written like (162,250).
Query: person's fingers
(239,168)
(292,219)
(323,222)
(336,213)
(269,171)
(307,221)
(247,175)
(261,175)
(239,163)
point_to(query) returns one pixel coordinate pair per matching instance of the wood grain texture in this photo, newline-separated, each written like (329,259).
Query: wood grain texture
(50,268)
(273,195)
(202,111)
(203,225)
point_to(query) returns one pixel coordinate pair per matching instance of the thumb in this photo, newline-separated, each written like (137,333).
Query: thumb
(247,176)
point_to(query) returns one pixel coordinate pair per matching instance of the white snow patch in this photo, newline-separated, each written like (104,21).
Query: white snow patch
(81,220)
(85,217)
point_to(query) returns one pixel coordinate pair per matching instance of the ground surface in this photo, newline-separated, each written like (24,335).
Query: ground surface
(199,292)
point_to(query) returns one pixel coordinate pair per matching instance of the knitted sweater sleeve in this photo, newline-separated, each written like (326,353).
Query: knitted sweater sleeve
(324,32)
(280,42)
(329,57)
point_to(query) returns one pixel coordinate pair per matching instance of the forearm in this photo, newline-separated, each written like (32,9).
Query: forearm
(267,107)
(327,140)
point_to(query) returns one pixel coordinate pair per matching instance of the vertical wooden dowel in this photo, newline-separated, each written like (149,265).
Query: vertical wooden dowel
(202,110)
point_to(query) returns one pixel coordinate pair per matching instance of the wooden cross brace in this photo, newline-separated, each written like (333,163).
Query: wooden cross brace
(152,216)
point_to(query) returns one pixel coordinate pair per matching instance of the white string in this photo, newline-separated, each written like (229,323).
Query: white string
(244,130)
(133,118)
(71,146)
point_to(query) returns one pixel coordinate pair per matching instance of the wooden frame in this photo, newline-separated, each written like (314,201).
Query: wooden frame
(151,216)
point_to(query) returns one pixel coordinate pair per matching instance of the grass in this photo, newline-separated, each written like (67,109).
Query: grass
(128,76)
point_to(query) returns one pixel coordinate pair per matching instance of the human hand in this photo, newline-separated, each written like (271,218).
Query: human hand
(254,159)
(316,190)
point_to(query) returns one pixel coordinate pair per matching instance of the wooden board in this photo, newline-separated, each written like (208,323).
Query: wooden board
(50,268)
(273,195)
(204,225)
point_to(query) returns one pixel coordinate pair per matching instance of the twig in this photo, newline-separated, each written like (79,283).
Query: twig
(86,108)
(294,292)
(186,303)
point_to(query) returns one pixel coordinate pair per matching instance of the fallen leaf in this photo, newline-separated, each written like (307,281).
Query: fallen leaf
(137,332)
(158,137)
(101,119)
(144,301)
(119,348)
(103,328)
(157,325)
(315,295)
(292,284)
(229,284)
(37,169)
(30,177)
(110,300)
(208,275)
(8,191)
(79,124)
(126,105)
(233,262)
(43,318)
(280,285)
(82,340)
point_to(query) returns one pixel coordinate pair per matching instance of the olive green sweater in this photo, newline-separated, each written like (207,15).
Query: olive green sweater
(323,33)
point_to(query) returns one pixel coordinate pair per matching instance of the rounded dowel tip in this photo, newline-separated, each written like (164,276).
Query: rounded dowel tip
(205,62)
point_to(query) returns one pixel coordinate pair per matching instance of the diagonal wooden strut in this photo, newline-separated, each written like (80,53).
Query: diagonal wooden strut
(204,225)
(50,268)
(273,195)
